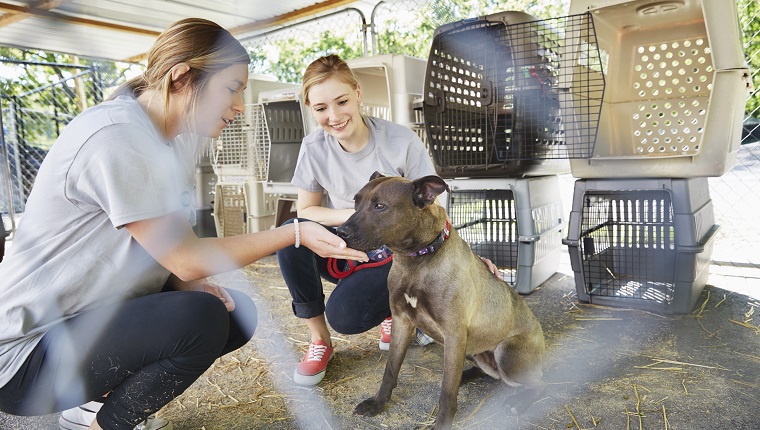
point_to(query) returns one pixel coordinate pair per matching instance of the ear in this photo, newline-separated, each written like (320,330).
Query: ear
(178,70)
(376,175)
(425,190)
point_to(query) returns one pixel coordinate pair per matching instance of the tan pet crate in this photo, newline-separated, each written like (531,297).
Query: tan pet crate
(677,86)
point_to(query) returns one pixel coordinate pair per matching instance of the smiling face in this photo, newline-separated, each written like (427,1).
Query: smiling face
(221,100)
(335,106)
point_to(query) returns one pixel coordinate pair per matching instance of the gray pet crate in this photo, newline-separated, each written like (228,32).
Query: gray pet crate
(502,97)
(517,223)
(643,243)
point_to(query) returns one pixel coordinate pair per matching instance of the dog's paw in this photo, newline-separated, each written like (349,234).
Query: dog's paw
(369,407)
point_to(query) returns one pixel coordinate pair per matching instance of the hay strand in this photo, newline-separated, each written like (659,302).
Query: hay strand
(572,417)
(749,326)
(720,302)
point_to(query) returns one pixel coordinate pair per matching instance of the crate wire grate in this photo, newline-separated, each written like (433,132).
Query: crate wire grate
(242,149)
(487,220)
(232,219)
(628,245)
(498,94)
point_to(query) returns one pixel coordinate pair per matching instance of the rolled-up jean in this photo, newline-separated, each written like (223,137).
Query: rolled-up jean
(358,302)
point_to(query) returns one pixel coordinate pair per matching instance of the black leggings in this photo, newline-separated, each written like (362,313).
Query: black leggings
(143,352)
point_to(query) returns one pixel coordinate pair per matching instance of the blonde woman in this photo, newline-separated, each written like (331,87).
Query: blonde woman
(338,158)
(102,295)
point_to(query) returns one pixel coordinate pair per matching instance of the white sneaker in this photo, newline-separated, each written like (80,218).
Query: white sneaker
(81,417)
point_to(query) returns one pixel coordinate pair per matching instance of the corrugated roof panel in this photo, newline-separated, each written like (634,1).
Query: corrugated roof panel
(80,27)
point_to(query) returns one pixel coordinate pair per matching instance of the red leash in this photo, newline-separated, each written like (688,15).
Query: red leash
(332,266)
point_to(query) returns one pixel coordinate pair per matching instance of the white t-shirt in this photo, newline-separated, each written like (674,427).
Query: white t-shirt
(324,166)
(109,167)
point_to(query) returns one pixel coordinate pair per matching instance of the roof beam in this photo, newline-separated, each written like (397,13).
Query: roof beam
(271,22)
(11,17)
(26,11)
(43,8)
(290,16)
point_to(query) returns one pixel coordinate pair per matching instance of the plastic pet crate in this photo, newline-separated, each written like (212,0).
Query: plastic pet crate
(516,223)
(241,208)
(287,122)
(642,243)
(502,92)
(241,152)
(389,85)
(678,86)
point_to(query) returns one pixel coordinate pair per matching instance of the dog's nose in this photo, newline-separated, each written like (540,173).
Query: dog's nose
(344,232)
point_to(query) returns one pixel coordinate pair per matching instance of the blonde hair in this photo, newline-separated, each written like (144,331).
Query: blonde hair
(203,45)
(323,69)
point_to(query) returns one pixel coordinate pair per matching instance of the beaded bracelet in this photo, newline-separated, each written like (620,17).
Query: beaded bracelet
(298,233)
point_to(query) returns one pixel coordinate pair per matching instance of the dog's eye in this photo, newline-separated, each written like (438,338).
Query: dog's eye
(379,207)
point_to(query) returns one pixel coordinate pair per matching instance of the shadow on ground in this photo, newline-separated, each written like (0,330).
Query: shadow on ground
(606,368)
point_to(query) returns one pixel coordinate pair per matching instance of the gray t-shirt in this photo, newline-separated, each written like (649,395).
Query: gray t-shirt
(108,168)
(324,166)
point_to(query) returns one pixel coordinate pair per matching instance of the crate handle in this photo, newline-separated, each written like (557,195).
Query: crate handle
(700,246)
(529,239)
(439,100)
(486,93)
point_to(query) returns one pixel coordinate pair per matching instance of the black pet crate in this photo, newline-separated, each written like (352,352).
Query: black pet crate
(642,243)
(517,223)
(503,97)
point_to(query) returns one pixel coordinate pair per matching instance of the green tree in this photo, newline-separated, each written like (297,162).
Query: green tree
(749,18)
(400,35)
(48,89)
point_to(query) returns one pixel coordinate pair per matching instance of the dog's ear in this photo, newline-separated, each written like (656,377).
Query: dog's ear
(426,189)
(376,175)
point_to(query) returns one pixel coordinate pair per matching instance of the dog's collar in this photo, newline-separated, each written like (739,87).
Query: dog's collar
(435,244)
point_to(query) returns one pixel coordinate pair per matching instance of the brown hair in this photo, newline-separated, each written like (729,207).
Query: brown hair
(325,68)
(203,45)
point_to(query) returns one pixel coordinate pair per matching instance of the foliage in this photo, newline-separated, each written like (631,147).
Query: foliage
(749,13)
(293,55)
(414,36)
(45,93)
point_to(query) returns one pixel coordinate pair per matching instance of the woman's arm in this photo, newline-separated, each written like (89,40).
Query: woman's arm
(171,241)
(309,206)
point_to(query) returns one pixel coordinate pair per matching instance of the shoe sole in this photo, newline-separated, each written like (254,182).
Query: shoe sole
(65,424)
(311,379)
(384,346)
(308,379)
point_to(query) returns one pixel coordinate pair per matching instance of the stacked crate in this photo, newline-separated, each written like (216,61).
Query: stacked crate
(517,223)
(240,159)
(642,223)
(499,107)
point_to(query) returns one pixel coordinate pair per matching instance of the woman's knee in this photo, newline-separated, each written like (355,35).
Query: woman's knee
(346,321)
(245,314)
(202,314)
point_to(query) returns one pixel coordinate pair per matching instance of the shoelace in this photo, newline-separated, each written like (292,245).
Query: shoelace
(386,326)
(316,352)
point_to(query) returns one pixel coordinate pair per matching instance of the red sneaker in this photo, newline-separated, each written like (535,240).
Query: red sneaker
(311,369)
(385,334)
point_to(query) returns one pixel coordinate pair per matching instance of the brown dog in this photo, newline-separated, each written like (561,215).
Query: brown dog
(438,284)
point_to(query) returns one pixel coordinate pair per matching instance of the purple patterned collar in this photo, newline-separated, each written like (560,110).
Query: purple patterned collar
(435,244)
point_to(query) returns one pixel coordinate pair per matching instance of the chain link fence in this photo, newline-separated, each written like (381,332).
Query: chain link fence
(285,53)
(34,114)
